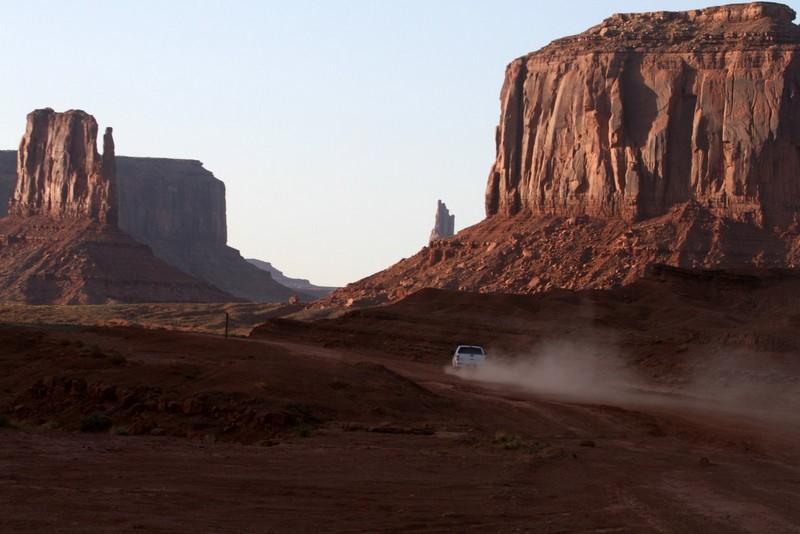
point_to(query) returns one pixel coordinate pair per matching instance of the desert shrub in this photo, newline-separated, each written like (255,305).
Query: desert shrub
(96,422)
(339,385)
(120,431)
(118,359)
(514,442)
(302,412)
(5,422)
(304,430)
(509,442)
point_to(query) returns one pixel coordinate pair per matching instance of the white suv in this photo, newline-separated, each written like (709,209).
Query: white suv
(468,355)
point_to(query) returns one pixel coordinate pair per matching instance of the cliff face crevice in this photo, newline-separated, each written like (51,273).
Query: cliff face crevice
(647,111)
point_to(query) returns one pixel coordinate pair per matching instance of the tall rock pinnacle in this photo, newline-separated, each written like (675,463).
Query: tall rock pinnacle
(444,225)
(59,171)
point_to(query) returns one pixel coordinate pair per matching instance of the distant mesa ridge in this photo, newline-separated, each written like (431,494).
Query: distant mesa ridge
(652,138)
(178,208)
(301,285)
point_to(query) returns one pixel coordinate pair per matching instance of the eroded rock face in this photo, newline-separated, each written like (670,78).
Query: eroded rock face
(60,172)
(444,224)
(172,199)
(647,111)
(654,138)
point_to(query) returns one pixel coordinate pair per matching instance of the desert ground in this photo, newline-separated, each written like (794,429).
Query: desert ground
(653,408)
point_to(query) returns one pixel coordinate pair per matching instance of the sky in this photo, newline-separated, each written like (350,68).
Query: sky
(335,125)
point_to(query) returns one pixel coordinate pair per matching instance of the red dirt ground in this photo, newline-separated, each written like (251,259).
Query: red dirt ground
(335,426)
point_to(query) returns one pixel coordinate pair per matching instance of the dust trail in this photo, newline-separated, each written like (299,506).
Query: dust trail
(576,369)
(586,371)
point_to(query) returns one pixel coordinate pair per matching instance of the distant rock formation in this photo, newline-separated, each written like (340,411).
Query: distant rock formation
(60,243)
(8,178)
(177,207)
(661,137)
(444,224)
(301,285)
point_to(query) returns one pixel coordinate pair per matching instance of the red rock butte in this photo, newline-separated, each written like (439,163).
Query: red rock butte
(60,243)
(666,137)
(59,171)
(647,111)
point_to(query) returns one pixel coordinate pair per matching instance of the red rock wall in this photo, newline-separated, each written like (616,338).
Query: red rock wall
(644,112)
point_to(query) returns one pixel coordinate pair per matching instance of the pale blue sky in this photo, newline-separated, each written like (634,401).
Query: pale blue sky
(335,125)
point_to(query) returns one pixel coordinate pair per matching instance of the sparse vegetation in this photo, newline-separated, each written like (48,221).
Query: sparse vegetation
(96,422)
(5,422)
(514,442)
(303,412)
(304,430)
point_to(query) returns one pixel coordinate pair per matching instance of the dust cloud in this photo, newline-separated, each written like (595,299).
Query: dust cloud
(583,370)
(734,382)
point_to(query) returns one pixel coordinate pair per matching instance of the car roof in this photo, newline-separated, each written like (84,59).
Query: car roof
(470,347)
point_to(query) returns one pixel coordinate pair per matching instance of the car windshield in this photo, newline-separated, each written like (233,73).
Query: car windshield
(470,350)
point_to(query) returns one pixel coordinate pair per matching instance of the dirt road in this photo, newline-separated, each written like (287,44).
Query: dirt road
(404,447)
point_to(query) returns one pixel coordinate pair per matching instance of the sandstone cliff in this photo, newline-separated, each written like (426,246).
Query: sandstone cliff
(60,243)
(651,138)
(60,174)
(647,111)
(444,224)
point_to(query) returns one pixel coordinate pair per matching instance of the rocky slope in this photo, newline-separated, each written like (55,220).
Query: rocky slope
(650,138)
(61,243)
(301,285)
